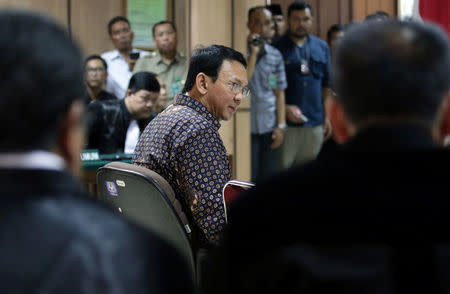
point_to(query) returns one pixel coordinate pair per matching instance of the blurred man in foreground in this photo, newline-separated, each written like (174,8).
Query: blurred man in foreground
(53,238)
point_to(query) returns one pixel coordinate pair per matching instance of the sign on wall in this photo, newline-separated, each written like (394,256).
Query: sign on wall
(143,14)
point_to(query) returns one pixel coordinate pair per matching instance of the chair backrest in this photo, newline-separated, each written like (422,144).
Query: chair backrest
(146,197)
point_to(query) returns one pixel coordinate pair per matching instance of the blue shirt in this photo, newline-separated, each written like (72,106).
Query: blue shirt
(269,75)
(305,90)
(183,145)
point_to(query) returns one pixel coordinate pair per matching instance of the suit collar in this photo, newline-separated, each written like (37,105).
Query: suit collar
(25,183)
(390,138)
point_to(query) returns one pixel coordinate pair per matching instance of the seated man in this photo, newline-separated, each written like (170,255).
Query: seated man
(95,69)
(183,144)
(53,238)
(339,225)
(115,126)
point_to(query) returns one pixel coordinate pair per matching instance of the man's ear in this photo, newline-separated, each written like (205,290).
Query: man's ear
(132,36)
(71,136)
(338,119)
(201,83)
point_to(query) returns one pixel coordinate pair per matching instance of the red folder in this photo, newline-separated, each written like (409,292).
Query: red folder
(232,190)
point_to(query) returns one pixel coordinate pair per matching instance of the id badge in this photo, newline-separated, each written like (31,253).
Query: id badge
(272,82)
(304,67)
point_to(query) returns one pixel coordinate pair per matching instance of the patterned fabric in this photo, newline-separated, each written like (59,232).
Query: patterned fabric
(268,76)
(183,145)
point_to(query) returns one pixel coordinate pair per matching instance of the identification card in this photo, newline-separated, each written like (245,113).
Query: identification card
(272,82)
(304,67)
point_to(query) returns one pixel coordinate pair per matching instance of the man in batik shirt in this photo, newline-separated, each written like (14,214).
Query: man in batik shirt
(183,144)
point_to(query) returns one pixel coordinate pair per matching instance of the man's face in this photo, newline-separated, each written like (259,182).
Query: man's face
(279,24)
(221,101)
(121,36)
(165,38)
(300,23)
(142,103)
(163,95)
(335,36)
(95,74)
(260,22)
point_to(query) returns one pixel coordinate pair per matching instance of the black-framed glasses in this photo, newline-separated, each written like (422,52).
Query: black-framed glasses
(236,88)
(95,69)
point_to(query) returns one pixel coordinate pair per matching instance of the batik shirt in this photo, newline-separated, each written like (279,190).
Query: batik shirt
(183,145)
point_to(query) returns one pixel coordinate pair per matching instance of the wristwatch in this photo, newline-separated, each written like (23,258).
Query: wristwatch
(282,126)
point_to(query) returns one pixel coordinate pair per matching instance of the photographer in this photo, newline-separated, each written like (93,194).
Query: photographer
(267,83)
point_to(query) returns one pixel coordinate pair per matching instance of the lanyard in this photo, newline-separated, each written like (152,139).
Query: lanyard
(304,63)
(307,51)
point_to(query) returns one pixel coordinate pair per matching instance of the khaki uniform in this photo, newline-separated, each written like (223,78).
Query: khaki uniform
(153,63)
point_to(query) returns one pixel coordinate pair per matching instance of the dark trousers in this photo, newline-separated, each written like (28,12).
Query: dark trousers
(264,158)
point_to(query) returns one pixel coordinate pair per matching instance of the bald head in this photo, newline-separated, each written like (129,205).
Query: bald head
(260,22)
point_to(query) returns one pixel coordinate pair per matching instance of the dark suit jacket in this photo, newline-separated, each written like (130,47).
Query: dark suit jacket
(53,239)
(370,219)
(108,124)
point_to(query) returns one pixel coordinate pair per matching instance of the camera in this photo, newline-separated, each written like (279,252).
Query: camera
(134,55)
(257,41)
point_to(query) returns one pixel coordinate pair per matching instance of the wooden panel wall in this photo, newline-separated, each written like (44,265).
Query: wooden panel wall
(211,22)
(87,21)
(329,12)
(326,13)
(56,9)
(89,26)
(362,8)
(181,17)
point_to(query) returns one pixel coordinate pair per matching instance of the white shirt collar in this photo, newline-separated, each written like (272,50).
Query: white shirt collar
(38,159)
(116,54)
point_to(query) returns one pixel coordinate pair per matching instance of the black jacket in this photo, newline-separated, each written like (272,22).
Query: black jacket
(108,122)
(54,239)
(372,218)
(102,96)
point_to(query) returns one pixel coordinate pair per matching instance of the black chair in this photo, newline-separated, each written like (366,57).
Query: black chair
(146,198)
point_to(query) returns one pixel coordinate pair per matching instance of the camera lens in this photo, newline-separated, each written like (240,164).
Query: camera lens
(256,41)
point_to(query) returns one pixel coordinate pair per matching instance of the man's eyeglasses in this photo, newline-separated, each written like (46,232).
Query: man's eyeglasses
(95,69)
(236,88)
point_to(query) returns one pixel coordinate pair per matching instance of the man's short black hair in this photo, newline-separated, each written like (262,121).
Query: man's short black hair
(377,16)
(95,56)
(41,75)
(117,19)
(334,29)
(161,23)
(299,5)
(392,70)
(209,60)
(144,81)
(275,9)
(253,10)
